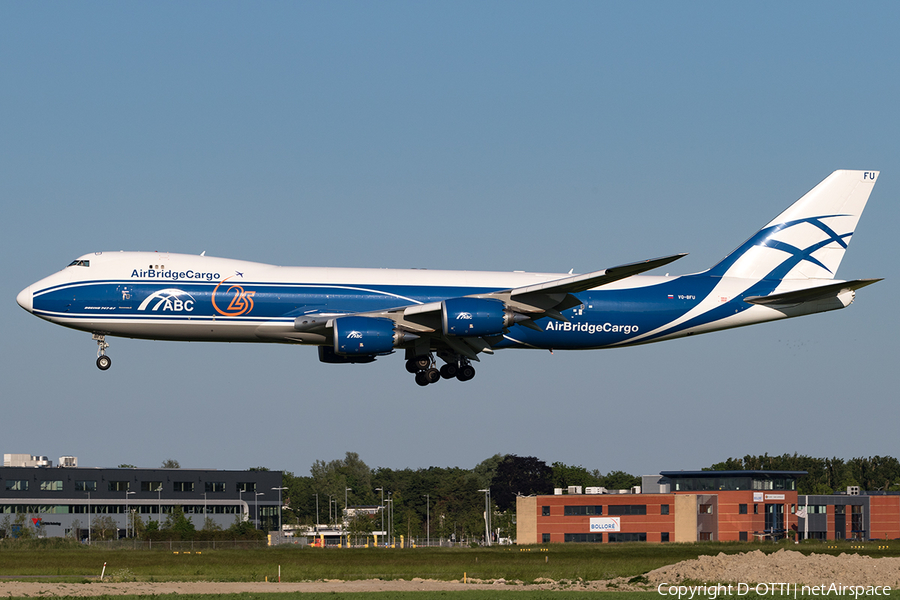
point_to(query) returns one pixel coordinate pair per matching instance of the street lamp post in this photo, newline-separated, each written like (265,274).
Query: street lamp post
(428,519)
(280,489)
(381,489)
(256,509)
(241,503)
(487,515)
(390,505)
(159,503)
(127,493)
(89,518)
(317,512)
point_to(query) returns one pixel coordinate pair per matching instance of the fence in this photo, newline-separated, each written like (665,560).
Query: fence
(179,546)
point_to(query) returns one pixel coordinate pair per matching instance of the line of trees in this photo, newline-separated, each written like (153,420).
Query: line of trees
(451,496)
(824,475)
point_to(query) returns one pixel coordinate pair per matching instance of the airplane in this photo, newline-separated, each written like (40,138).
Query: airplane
(787,269)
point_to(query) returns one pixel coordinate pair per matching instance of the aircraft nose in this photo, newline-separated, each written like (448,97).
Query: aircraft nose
(26,299)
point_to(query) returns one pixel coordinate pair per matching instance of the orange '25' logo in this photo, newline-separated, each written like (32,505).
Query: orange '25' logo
(240,303)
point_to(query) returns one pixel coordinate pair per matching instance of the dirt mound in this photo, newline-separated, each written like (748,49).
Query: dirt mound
(784,566)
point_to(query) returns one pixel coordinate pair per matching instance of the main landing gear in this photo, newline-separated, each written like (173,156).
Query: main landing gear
(103,361)
(426,372)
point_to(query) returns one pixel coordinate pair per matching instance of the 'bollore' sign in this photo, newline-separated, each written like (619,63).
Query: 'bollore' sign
(605,524)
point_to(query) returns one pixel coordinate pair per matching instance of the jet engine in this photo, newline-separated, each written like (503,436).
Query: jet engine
(357,336)
(477,316)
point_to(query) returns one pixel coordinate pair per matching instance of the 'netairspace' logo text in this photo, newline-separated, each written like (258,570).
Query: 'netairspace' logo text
(711,592)
(174,275)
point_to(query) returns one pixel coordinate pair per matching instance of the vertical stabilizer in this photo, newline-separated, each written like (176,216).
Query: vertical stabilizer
(808,240)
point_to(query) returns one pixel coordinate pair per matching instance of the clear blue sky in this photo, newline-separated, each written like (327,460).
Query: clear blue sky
(459,135)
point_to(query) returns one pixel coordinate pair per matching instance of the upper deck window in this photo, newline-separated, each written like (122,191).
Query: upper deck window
(80,263)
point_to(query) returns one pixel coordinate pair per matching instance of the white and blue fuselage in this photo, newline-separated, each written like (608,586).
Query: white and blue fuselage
(787,269)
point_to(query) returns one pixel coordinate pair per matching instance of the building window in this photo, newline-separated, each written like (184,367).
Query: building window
(742,509)
(627,509)
(706,509)
(51,486)
(545,511)
(183,486)
(570,511)
(17,485)
(215,486)
(247,486)
(705,536)
(756,509)
(119,486)
(626,537)
(664,536)
(85,486)
(151,486)
(663,509)
(545,538)
(594,538)
(742,536)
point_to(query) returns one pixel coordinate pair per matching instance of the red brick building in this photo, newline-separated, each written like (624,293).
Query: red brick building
(696,506)
(689,506)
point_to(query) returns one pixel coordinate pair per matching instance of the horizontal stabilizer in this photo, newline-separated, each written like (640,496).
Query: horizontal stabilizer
(810,294)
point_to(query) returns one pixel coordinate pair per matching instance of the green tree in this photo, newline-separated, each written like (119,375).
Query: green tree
(360,526)
(620,480)
(299,498)
(75,531)
(22,527)
(126,466)
(171,463)
(210,525)
(520,475)
(333,479)
(486,469)
(104,528)
(178,524)
(566,475)
(137,524)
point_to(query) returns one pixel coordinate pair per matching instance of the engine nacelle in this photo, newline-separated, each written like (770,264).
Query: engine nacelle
(475,316)
(356,336)
(328,355)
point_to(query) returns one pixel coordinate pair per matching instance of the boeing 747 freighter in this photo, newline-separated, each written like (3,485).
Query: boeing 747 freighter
(786,269)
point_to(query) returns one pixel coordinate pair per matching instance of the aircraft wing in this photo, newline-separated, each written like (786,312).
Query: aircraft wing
(527,303)
(553,296)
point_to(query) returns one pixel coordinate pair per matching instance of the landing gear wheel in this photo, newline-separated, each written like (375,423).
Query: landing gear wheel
(449,370)
(422,362)
(103,361)
(466,372)
(412,366)
(421,378)
(432,375)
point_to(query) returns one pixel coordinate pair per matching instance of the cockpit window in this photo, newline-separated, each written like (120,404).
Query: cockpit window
(80,263)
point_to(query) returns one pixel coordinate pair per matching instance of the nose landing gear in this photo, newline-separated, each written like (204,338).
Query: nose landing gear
(103,361)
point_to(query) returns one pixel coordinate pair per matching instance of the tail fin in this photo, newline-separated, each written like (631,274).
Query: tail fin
(808,240)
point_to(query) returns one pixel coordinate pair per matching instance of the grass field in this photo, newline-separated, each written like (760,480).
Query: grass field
(558,562)
(466,595)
